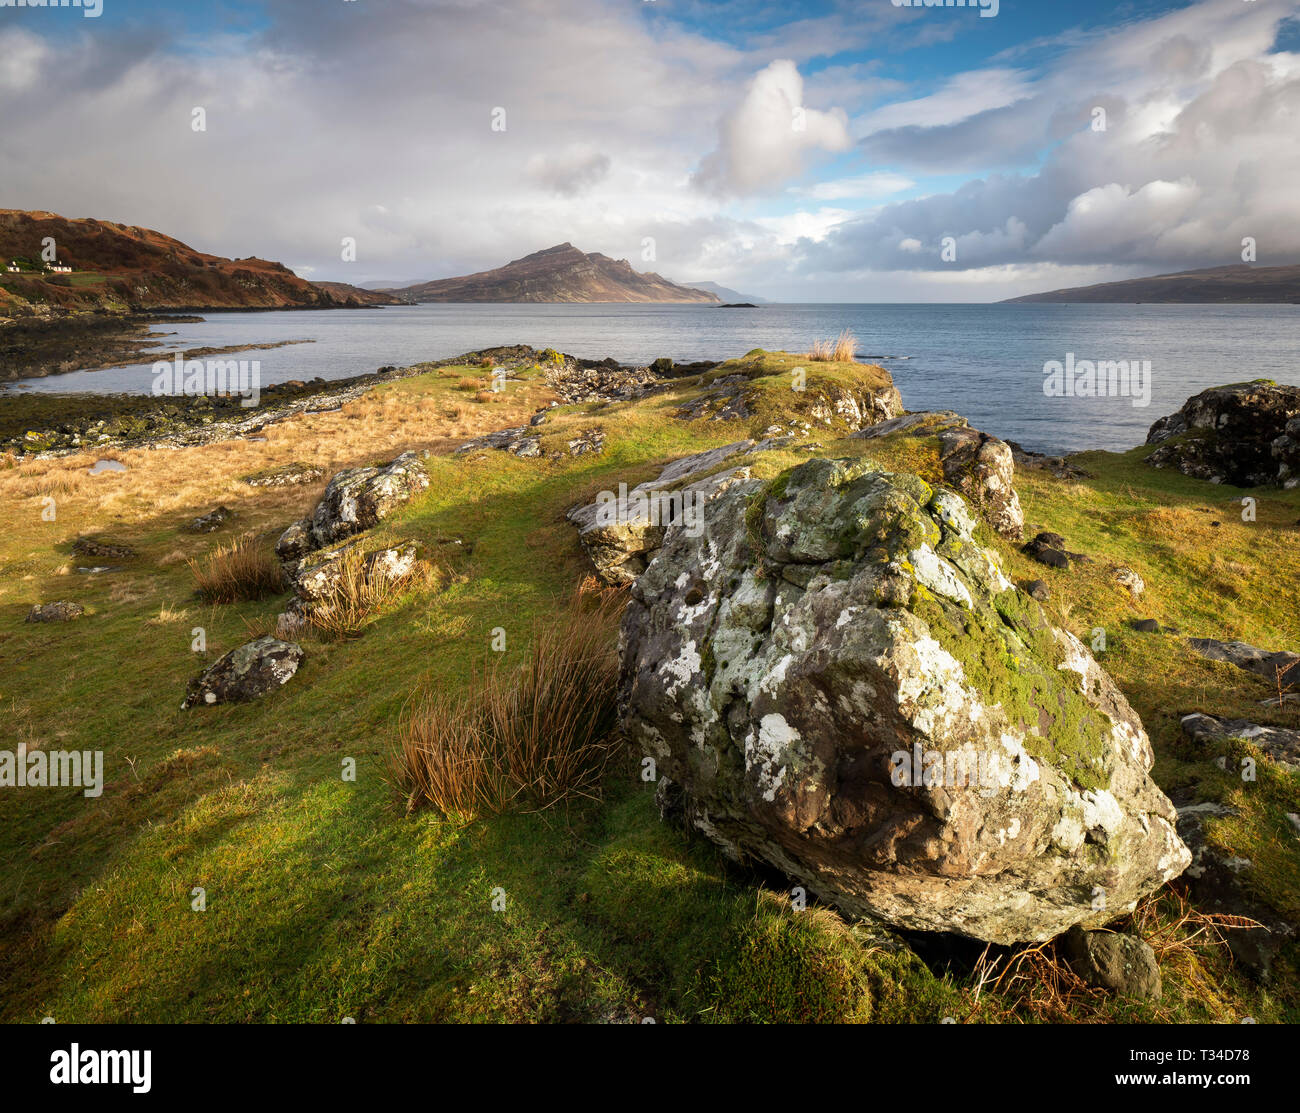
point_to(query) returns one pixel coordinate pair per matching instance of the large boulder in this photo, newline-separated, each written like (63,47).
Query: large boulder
(846,687)
(981,467)
(355,500)
(1246,434)
(246,673)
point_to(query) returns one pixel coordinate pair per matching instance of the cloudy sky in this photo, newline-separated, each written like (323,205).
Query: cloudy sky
(803,151)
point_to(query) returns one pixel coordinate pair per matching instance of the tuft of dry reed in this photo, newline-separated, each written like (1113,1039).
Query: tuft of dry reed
(523,738)
(357,593)
(842,349)
(240,571)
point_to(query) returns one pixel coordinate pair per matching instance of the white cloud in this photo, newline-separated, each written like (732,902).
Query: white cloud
(767,138)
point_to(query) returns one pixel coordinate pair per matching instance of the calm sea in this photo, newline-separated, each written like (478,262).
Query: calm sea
(984,361)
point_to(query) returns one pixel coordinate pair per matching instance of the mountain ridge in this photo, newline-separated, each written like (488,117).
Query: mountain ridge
(1237,283)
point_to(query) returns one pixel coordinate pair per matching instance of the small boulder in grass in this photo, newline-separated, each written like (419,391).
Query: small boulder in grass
(1126,577)
(61,611)
(211,521)
(246,673)
(1123,964)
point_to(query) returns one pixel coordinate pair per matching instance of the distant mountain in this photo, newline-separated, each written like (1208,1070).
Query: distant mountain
(120,267)
(362,295)
(725,293)
(1237,283)
(389,284)
(558,274)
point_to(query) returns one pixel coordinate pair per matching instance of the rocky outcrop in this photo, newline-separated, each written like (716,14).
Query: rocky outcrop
(523,442)
(1246,434)
(1271,665)
(822,403)
(293,474)
(246,673)
(576,380)
(519,441)
(1278,743)
(979,466)
(846,686)
(357,499)
(329,576)
(1222,883)
(96,548)
(61,611)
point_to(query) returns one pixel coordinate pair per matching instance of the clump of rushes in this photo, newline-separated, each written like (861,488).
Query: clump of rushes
(238,572)
(524,738)
(358,593)
(842,349)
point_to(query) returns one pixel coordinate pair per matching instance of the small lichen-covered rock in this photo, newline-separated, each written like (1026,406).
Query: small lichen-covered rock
(847,687)
(1245,434)
(286,475)
(61,611)
(212,521)
(1278,743)
(318,578)
(245,673)
(100,549)
(357,499)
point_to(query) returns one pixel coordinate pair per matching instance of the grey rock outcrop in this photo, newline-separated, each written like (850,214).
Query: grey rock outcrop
(318,578)
(1270,664)
(846,687)
(1279,743)
(1245,434)
(620,530)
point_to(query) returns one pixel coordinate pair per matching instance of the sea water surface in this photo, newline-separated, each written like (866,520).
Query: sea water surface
(984,361)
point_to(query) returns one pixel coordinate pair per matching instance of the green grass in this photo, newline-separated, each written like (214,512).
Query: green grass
(325,900)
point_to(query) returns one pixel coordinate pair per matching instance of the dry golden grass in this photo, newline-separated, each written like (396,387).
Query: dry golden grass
(526,738)
(167,489)
(842,349)
(240,571)
(168,616)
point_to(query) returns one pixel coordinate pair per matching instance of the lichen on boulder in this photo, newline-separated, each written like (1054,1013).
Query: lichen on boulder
(246,673)
(846,686)
(356,499)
